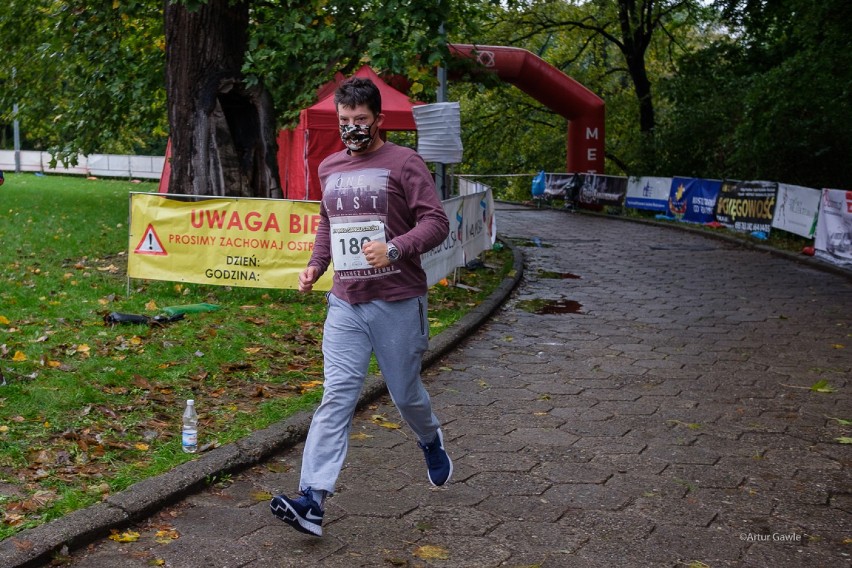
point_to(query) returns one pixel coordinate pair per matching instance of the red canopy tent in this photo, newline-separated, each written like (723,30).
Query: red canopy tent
(301,149)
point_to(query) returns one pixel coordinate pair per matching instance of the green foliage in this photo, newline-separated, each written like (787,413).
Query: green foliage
(87,78)
(770,101)
(298,45)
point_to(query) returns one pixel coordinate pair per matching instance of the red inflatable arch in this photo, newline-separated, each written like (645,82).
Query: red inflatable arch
(554,89)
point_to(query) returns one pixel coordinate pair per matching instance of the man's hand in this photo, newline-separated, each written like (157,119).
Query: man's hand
(376,254)
(307,277)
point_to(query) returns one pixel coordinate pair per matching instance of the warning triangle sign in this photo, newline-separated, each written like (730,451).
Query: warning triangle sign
(150,243)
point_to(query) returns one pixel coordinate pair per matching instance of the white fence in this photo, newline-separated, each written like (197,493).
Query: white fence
(97,165)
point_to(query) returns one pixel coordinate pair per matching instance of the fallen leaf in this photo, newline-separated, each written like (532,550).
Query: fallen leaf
(23,544)
(841,421)
(4,320)
(151,306)
(432,552)
(838,346)
(822,386)
(844,440)
(360,436)
(19,356)
(252,350)
(13,519)
(126,536)
(141,447)
(165,536)
(384,422)
(309,385)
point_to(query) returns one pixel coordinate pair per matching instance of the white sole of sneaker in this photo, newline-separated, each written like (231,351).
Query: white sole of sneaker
(282,510)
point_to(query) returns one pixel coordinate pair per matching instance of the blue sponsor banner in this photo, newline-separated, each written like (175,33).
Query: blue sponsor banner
(693,200)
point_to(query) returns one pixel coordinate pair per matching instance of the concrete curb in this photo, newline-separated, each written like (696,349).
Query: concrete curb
(35,547)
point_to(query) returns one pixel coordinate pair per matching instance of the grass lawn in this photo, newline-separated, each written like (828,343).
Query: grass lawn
(87,409)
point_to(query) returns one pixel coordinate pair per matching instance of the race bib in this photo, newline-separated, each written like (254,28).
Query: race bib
(347,240)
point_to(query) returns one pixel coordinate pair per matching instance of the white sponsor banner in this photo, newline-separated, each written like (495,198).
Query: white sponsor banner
(476,219)
(472,231)
(651,193)
(796,209)
(834,227)
(447,256)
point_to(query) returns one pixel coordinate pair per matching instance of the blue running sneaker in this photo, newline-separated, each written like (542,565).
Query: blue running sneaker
(439,464)
(303,514)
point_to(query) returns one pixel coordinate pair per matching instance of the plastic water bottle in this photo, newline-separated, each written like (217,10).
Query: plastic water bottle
(189,436)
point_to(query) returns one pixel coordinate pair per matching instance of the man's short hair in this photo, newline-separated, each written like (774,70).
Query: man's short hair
(359,91)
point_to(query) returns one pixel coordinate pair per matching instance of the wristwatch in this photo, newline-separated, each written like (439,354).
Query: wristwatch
(393,253)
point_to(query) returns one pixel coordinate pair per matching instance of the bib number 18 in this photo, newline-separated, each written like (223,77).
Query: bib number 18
(349,238)
(353,245)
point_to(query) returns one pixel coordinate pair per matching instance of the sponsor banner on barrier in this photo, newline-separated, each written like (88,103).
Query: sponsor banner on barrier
(833,234)
(650,193)
(477,217)
(747,205)
(252,243)
(602,190)
(266,243)
(472,231)
(796,209)
(693,200)
(562,186)
(447,256)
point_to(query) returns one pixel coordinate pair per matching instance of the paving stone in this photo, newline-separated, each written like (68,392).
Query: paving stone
(567,472)
(498,483)
(605,445)
(614,428)
(683,455)
(497,461)
(539,544)
(570,496)
(453,519)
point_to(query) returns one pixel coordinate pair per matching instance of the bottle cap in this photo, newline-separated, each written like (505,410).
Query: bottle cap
(190,402)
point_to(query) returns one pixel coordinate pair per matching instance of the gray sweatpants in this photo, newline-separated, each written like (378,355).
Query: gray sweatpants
(398,333)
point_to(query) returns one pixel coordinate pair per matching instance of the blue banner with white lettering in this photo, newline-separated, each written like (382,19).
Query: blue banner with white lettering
(693,200)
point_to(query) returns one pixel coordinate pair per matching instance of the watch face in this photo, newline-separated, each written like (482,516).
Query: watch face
(393,253)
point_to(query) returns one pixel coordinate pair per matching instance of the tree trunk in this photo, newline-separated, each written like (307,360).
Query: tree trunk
(636,32)
(222,133)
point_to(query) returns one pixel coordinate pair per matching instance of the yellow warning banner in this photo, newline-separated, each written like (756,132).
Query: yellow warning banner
(246,242)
